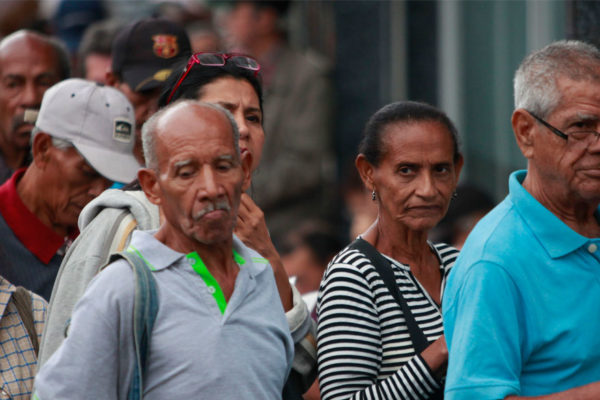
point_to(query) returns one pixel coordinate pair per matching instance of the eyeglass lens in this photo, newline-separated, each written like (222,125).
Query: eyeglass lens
(244,62)
(211,59)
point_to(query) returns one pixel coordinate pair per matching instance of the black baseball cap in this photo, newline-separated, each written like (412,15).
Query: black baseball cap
(145,51)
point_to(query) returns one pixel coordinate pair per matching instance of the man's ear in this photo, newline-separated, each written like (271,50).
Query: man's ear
(365,169)
(149,183)
(523,125)
(41,148)
(246,163)
(111,78)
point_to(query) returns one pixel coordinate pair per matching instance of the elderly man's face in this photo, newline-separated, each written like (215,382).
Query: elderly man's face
(566,167)
(70,183)
(28,67)
(200,177)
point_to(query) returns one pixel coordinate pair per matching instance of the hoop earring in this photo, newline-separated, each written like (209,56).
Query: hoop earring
(454,195)
(373,195)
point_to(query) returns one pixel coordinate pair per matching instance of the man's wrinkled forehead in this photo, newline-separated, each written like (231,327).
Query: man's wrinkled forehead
(33,49)
(204,119)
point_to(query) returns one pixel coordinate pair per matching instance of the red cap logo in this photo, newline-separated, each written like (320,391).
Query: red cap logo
(165,46)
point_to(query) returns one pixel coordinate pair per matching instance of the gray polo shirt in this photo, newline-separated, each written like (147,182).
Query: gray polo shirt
(196,352)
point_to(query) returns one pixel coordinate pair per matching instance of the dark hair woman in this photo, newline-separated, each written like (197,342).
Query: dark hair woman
(367,346)
(230,80)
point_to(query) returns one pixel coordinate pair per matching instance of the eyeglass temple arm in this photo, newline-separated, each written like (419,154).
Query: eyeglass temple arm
(547,125)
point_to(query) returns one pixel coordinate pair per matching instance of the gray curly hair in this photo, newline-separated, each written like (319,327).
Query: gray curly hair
(535,80)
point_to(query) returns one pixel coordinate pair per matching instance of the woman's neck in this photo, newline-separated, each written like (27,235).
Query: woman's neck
(402,244)
(410,248)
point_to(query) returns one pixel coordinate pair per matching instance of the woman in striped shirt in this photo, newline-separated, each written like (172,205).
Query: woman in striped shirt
(410,162)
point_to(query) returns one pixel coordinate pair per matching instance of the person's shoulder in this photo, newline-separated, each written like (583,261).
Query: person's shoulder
(349,264)
(250,258)
(38,302)
(493,247)
(116,279)
(109,294)
(498,237)
(349,256)
(446,253)
(112,203)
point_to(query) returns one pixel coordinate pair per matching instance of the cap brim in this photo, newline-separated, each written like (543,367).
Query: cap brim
(117,167)
(145,77)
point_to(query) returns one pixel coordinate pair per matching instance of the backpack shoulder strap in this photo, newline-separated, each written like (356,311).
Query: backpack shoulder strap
(23,303)
(382,266)
(145,309)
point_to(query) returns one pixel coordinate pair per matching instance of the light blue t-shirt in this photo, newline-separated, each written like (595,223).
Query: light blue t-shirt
(522,305)
(196,351)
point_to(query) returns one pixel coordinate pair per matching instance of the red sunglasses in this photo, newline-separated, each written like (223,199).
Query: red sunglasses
(216,60)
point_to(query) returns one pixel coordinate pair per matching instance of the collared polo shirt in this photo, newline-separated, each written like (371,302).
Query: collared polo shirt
(521,311)
(196,352)
(29,250)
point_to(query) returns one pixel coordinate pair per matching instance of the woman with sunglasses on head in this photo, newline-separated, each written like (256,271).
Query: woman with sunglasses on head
(108,221)
(380,332)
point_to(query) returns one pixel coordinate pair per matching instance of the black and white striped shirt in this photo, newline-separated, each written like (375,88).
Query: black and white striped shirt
(364,349)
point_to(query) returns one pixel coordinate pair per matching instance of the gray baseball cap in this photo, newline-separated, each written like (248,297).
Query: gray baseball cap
(98,120)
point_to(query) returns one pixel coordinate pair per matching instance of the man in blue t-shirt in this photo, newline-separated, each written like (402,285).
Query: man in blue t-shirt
(521,305)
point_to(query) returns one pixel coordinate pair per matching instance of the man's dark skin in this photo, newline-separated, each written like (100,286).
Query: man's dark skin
(22,86)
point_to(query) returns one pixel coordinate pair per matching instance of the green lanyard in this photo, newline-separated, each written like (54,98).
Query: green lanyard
(212,284)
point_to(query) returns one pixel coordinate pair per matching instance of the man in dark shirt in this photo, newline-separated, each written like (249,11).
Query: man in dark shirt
(82,141)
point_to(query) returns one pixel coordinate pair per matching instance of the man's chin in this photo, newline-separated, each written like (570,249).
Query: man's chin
(211,240)
(213,236)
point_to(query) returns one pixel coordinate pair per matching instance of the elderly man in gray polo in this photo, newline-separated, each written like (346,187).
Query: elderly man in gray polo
(220,332)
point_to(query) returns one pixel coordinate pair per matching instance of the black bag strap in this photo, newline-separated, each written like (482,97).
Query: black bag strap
(382,266)
(23,303)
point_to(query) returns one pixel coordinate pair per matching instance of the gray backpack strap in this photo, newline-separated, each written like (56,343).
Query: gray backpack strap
(22,299)
(145,309)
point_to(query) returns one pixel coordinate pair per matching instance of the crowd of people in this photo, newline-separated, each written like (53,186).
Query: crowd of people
(161,216)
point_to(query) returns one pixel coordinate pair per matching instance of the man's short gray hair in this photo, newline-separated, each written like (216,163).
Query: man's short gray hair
(56,142)
(535,81)
(151,125)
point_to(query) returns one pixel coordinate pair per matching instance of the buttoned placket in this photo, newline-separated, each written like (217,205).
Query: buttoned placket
(592,248)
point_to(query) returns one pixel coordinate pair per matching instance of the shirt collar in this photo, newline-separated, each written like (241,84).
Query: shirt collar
(159,256)
(6,291)
(38,238)
(155,253)
(253,262)
(554,235)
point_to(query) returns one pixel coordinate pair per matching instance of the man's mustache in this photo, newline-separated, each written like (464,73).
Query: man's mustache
(212,206)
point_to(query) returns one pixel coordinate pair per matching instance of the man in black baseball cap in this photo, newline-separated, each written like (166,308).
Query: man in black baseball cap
(143,56)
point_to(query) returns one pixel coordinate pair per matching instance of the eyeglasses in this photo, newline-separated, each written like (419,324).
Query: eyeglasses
(585,137)
(216,60)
